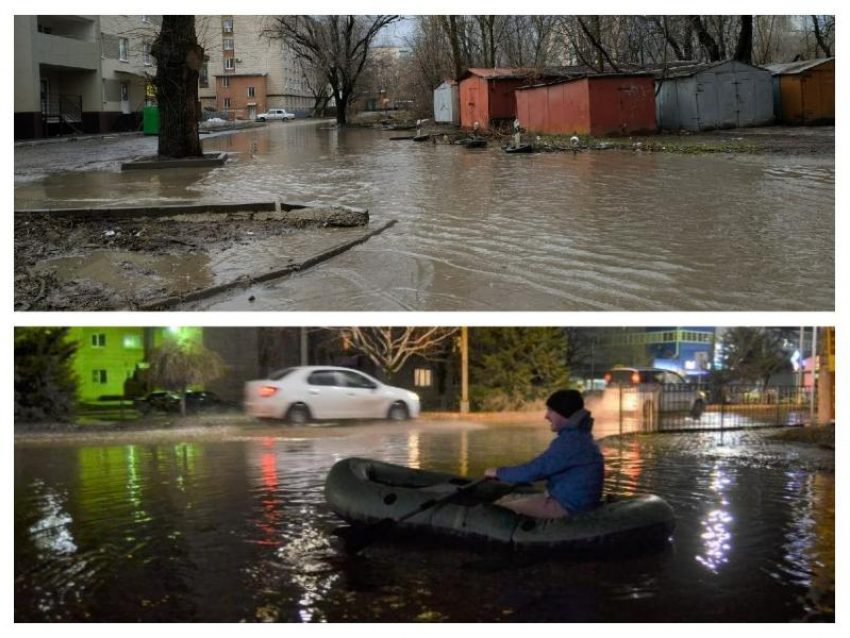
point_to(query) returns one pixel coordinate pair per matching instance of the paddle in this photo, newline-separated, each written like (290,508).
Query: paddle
(357,538)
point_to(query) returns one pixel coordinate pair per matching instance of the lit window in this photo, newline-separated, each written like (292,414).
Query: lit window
(422,377)
(228,44)
(98,376)
(133,342)
(123,49)
(98,340)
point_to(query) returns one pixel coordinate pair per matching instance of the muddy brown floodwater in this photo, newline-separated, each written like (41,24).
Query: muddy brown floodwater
(234,527)
(483,230)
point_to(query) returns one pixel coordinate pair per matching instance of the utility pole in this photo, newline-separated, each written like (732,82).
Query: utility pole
(800,365)
(464,370)
(814,360)
(303,347)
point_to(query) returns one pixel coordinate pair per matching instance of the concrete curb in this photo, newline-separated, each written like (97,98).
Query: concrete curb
(169,210)
(208,160)
(204,293)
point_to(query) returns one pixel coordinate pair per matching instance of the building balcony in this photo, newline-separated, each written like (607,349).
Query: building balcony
(67,41)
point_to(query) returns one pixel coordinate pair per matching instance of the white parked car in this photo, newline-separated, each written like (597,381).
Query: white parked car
(648,391)
(300,395)
(276,114)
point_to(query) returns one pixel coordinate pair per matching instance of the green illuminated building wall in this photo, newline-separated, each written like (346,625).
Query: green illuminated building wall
(108,356)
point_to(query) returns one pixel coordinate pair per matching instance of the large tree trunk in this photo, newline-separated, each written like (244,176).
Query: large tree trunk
(450,27)
(744,48)
(179,58)
(821,41)
(708,43)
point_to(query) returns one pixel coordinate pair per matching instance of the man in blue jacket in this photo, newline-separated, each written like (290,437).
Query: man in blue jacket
(573,466)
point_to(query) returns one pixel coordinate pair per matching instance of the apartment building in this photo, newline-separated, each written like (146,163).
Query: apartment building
(81,73)
(127,66)
(246,73)
(111,361)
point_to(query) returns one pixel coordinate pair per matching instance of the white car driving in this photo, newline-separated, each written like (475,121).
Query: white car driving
(307,393)
(276,114)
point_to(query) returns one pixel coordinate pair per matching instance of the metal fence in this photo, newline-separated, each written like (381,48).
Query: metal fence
(680,408)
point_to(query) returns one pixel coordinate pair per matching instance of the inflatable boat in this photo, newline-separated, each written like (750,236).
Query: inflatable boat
(366,492)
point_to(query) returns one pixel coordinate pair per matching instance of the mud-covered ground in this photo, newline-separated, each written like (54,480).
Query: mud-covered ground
(817,141)
(143,254)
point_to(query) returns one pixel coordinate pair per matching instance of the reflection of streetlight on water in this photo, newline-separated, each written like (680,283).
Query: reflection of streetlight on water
(716,535)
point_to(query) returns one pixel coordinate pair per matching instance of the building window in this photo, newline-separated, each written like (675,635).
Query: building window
(98,340)
(228,64)
(225,83)
(98,376)
(146,53)
(228,44)
(250,91)
(227,102)
(123,49)
(422,377)
(204,75)
(133,342)
(227,26)
(44,29)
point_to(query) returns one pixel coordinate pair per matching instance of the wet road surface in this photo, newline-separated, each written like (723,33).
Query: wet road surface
(483,230)
(235,528)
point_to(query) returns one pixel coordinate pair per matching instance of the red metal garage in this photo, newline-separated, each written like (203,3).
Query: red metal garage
(487,95)
(609,104)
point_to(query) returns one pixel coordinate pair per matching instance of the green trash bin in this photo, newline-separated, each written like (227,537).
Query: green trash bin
(150,120)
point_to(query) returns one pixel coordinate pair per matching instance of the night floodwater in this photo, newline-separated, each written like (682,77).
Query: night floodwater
(236,529)
(483,230)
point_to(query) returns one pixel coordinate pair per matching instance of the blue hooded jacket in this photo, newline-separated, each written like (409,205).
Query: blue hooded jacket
(572,463)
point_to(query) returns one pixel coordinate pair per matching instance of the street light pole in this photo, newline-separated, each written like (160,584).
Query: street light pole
(464,370)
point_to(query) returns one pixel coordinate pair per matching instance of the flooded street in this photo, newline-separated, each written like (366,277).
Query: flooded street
(233,526)
(483,230)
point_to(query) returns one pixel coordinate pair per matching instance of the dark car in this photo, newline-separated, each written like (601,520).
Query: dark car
(196,401)
(202,400)
(159,401)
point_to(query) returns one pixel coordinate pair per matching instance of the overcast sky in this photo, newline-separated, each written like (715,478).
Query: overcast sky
(396,34)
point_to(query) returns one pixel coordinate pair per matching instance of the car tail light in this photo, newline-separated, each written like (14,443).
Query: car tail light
(636,378)
(267,391)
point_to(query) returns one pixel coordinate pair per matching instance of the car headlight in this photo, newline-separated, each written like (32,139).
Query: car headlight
(414,397)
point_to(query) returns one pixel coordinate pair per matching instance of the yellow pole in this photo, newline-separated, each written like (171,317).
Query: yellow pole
(464,370)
